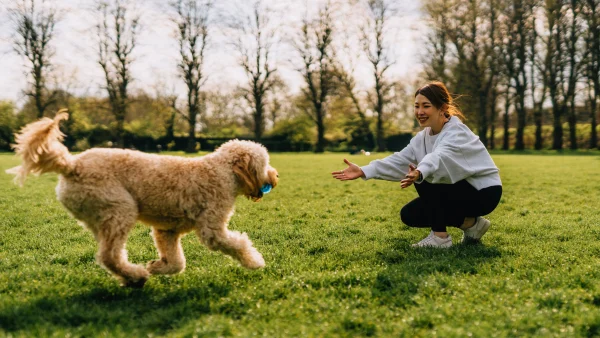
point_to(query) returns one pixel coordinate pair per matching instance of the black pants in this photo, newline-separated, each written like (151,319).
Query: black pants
(441,205)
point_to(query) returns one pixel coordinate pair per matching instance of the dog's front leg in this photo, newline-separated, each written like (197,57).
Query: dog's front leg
(171,260)
(232,243)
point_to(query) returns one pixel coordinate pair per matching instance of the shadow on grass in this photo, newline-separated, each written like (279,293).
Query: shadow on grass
(99,309)
(408,267)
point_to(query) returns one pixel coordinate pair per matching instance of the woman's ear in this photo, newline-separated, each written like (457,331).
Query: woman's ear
(444,109)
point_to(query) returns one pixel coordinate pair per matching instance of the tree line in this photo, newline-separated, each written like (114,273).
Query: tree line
(511,60)
(523,56)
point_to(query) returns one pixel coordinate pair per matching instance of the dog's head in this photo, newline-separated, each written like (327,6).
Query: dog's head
(250,162)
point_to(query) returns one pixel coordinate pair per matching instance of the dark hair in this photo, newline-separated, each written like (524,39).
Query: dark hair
(437,93)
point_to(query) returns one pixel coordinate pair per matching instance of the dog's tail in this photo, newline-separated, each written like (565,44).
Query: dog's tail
(40,148)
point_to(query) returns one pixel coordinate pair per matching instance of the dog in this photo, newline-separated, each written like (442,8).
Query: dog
(108,190)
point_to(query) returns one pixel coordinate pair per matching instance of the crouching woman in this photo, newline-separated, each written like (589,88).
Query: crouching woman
(454,175)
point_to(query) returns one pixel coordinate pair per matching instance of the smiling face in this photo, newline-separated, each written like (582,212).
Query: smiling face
(428,115)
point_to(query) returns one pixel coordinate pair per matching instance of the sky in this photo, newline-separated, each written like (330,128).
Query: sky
(154,68)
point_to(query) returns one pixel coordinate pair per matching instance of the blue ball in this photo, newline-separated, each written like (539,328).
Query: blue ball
(265,189)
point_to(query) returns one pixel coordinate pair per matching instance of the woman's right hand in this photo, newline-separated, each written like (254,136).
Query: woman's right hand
(351,173)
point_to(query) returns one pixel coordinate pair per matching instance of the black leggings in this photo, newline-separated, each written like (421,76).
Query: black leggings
(441,205)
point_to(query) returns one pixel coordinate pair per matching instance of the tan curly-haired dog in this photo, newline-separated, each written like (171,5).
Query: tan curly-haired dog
(108,190)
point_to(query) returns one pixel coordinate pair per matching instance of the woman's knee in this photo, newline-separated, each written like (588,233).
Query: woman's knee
(407,216)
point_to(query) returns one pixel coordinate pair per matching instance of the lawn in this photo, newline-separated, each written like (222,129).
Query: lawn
(339,263)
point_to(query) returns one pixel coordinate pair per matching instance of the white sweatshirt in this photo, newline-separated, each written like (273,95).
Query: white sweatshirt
(457,154)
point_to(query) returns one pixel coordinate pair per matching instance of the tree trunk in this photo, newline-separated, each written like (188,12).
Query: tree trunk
(505,144)
(380,136)
(483,123)
(320,147)
(258,118)
(557,133)
(572,125)
(521,119)
(594,134)
(120,132)
(170,128)
(193,112)
(493,113)
(38,99)
(538,126)
(191,146)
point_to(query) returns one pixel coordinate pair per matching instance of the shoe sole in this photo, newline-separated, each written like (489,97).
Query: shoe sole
(443,246)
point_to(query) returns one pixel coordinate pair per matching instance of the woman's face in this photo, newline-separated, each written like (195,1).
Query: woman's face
(427,114)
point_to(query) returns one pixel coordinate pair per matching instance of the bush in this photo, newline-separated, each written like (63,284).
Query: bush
(8,125)
(398,142)
(583,133)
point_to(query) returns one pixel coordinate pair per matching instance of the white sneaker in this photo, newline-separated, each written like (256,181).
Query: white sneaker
(478,229)
(434,241)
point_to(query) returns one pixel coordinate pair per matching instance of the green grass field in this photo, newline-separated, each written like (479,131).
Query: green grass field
(339,263)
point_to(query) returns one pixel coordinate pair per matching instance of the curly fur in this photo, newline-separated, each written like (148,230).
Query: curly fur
(108,190)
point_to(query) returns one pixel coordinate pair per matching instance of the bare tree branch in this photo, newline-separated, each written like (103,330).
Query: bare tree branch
(254,41)
(117,37)
(192,20)
(314,48)
(35,22)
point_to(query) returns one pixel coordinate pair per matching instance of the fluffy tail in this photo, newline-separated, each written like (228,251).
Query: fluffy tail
(40,148)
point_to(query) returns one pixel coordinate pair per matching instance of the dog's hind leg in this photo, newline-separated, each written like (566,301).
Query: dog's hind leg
(171,260)
(112,237)
(232,243)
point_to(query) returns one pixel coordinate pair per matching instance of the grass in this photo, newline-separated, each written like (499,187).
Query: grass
(339,263)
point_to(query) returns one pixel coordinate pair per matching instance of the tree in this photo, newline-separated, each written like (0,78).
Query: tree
(473,32)
(117,38)
(255,41)
(506,118)
(278,100)
(518,24)
(493,116)
(377,51)
(555,67)
(538,62)
(436,60)
(574,66)
(314,47)
(358,125)
(192,20)
(35,21)
(564,70)
(225,114)
(591,13)
(345,89)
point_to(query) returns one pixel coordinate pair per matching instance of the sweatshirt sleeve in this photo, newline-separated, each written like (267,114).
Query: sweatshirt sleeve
(393,167)
(448,162)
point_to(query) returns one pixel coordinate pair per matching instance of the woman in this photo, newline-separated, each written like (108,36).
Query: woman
(455,177)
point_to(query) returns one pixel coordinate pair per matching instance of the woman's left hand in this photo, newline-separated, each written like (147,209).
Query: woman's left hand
(412,176)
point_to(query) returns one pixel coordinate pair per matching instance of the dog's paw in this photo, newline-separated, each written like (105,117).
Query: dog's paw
(156,267)
(254,260)
(134,284)
(136,278)
(161,267)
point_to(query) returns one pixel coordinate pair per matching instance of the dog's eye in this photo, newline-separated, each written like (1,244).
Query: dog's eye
(277,175)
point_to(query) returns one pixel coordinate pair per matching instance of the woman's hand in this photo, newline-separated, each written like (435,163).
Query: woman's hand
(351,173)
(412,176)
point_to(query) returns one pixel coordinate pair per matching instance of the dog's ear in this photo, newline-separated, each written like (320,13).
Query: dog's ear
(246,172)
